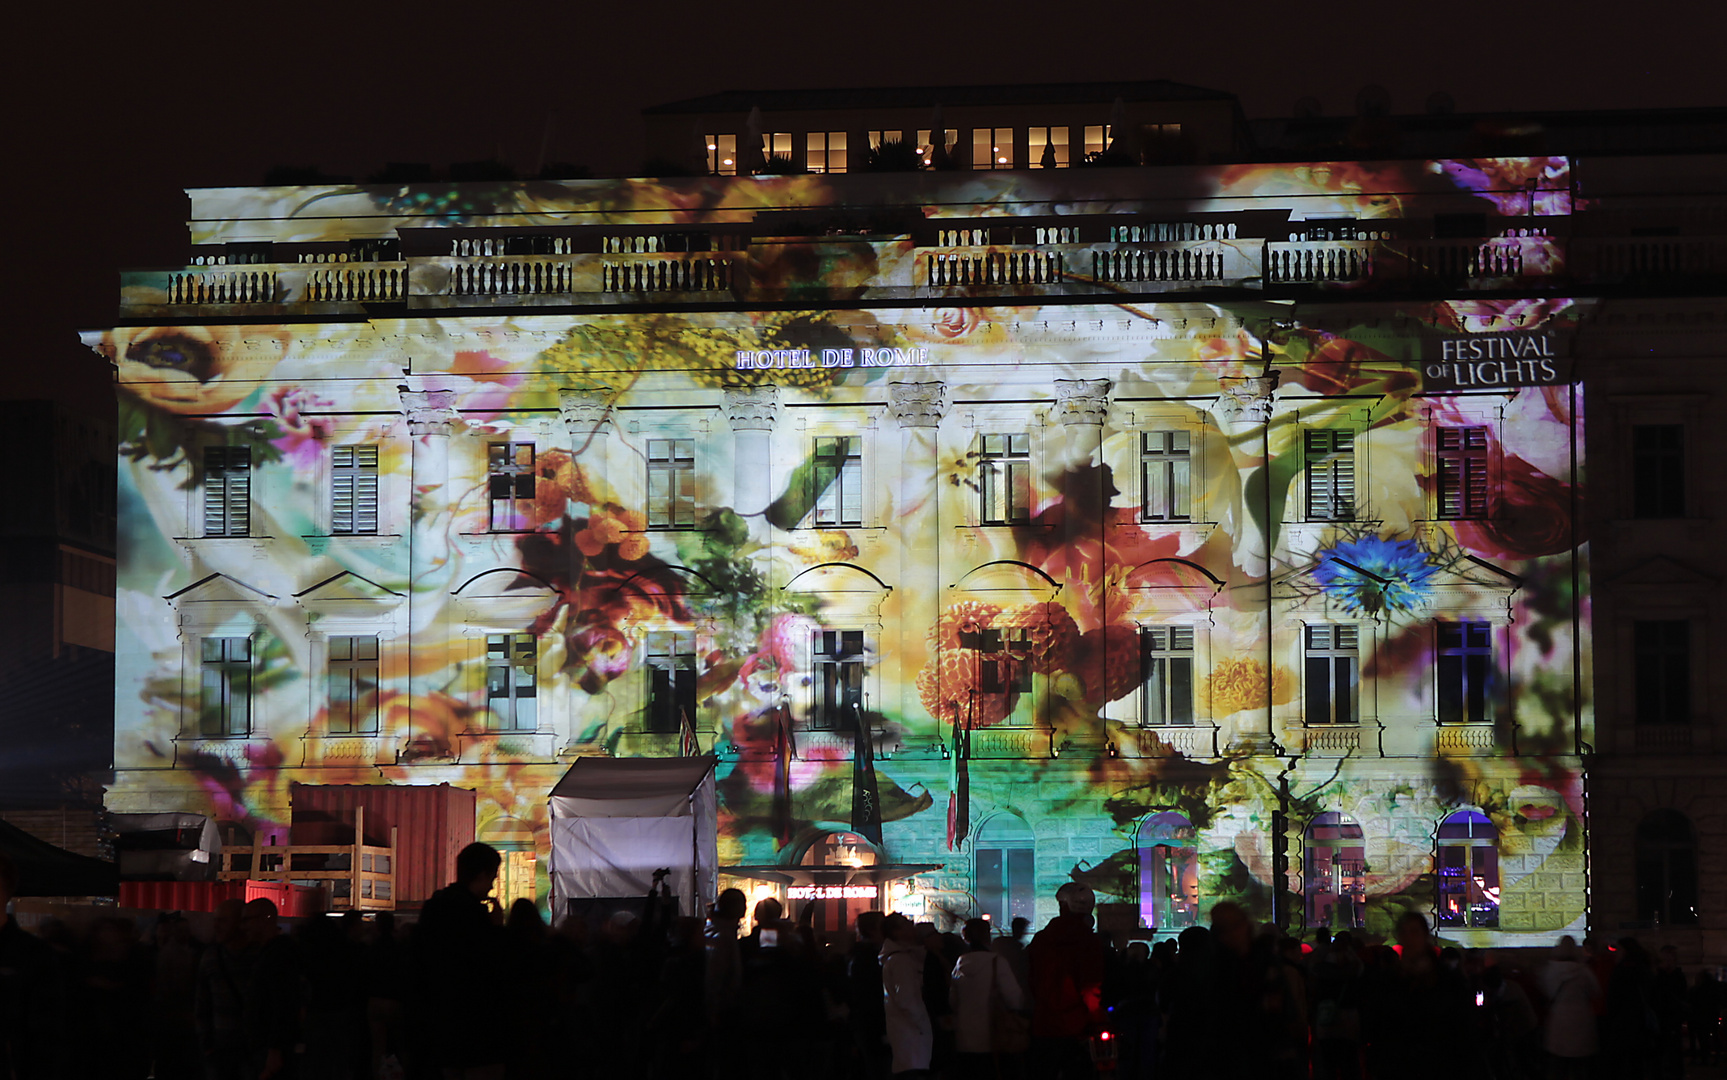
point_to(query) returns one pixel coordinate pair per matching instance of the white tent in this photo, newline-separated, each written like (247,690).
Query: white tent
(617,820)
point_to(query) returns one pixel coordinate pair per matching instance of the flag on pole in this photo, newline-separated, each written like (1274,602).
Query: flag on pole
(866,796)
(784,749)
(959,783)
(687,745)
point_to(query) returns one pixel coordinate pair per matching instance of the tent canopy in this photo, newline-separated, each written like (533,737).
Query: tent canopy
(46,870)
(630,787)
(617,820)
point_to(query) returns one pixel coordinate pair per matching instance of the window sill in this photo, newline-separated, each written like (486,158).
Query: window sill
(1040,526)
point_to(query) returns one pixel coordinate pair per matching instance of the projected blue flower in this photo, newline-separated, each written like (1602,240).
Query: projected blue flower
(1371,575)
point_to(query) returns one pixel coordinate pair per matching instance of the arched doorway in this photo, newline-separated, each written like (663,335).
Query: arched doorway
(1336,872)
(1005,865)
(514,839)
(837,904)
(1168,872)
(1666,874)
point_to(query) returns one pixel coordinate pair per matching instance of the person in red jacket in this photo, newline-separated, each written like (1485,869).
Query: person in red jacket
(1068,959)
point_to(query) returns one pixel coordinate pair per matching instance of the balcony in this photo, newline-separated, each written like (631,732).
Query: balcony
(1190,263)
(1491,263)
(1010,742)
(266,288)
(1465,739)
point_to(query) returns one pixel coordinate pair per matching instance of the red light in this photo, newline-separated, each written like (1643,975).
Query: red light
(1104,1036)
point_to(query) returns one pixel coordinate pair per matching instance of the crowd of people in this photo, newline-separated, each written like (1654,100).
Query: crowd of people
(468,991)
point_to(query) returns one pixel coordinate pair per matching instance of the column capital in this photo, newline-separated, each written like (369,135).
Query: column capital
(1082,401)
(430,412)
(1248,399)
(752,408)
(588,409)
(917,404)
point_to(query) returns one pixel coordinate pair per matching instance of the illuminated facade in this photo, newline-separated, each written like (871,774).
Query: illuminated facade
(1204,533)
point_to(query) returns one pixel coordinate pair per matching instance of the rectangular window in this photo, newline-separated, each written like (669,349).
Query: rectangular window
(1047,148)
(926,144)
(1465,672)
(1658,470)
(778,144)
(876,138)
(227,491)
(1005,664)
(1462,472)
(1168,683)
(839,672)
(1096,139)
(1166,475)
(353,708)
(225,702)
(1330,475)
(671,483)
(512,681)
(354,490)
(1004,478)
(1662,671)
(671,680)
(992,148)
(510,484)
(838,480)
(1332,663)
(826,151)
(723,155)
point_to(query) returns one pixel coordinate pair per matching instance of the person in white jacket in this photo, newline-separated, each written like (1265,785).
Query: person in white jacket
(980,977)
(1571,991)
(909,1033)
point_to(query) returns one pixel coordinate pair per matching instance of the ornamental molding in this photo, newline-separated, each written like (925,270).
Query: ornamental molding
(430,412)
(917,404)
(1248,399)
(1082,401)
(587,409)
(752,408)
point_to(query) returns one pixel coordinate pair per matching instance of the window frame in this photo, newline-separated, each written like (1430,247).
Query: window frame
(1040,136)
(353,668)
(1312,843)
(1647,848)
(677,471)
(1016,850)
(1330,462)
(1168,651)
(1468,646)
(1176,464)
(843,672)
(722,154)
(820,148)
(843,463)
(1481,836)
(356,472)
(511,661)
(1664,500)
(1471,465)
(1332,652)
(1682,680)
(516,476)
(1001,151)
(662,655)
(225,668)
(227,489)
(1018,477)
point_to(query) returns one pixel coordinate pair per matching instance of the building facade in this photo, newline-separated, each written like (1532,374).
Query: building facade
(1198,533)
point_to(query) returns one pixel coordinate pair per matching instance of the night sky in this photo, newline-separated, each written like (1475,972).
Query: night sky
(112,115)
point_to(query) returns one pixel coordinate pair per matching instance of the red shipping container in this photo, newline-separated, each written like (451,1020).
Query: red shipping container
(292,901)
(432,823)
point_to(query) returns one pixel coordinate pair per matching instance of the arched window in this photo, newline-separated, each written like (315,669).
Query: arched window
(835,914)
(1667,869)
(1336,872)
(1168,872)
(1468,862)
(1005,868)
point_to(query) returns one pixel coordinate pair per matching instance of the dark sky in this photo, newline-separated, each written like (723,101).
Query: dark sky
(112,115)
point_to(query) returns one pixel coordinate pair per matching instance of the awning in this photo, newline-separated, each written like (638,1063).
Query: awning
(831,875)
(630,787)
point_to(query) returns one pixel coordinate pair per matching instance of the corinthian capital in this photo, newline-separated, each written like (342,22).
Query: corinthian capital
(752,408)
(586,410)
(917,404)
(1082,401)
(1247,400)
(430,412)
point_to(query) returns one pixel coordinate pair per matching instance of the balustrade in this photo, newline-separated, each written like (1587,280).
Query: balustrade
(693,274)
(1304,261)
(361,282)
(518,275)
(1024,267)
(1010,742)
(1172,263)
(227,287)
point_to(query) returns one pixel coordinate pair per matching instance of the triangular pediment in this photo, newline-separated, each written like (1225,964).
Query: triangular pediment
(219,588)
(348,585)
(1666,572)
